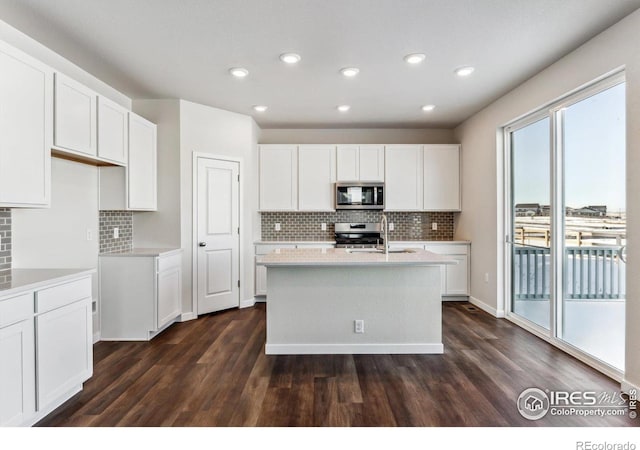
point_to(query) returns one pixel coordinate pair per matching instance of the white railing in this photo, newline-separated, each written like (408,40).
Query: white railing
(594,273)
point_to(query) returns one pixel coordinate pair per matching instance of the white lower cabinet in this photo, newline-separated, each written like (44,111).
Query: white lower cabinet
(17,371)
(46,349)
(261,271)
(139,295)
(455,277)
(64,341)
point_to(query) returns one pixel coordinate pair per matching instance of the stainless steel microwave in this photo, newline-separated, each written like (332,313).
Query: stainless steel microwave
(359,195)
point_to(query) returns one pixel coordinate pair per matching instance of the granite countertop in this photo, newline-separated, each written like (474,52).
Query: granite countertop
(143,252)
(341,257)
(18,280)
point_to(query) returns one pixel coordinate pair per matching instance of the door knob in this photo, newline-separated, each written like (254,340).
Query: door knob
(202,244)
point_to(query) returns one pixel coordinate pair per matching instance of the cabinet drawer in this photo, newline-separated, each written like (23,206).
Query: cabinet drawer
(448,249)
(169,262)
(64,294)
(16,309)
(268,248)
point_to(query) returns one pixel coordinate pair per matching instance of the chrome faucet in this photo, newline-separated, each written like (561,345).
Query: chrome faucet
(384,228)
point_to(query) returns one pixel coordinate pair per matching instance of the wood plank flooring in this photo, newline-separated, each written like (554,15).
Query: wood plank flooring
(213,372)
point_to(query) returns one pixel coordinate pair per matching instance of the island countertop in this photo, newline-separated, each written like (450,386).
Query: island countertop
(18,280)
(351,257)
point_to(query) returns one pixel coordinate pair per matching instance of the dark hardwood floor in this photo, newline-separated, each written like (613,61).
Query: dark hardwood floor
(213,372)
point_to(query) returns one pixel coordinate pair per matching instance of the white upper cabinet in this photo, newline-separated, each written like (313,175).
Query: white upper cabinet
(371,161)
(278,177)
(142,168)
(316,177)
(403,178)
(348,157)
(360,163)
(112,131)
(26,129)
(442,178)
(75,116)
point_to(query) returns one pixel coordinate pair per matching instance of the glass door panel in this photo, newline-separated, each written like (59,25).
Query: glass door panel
(530,234)
(591,315)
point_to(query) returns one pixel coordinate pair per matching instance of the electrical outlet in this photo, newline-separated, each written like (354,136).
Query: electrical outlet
(486,277)
(116,233)
(277,227)
(434,226)
(358,326)
(392,226)
(323,226)
(89,234)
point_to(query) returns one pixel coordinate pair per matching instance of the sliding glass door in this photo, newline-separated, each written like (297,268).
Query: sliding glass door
(567,223)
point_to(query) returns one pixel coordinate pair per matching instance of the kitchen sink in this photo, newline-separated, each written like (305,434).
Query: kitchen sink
(380,251)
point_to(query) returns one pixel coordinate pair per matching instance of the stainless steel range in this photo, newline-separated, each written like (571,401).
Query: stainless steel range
(358,235)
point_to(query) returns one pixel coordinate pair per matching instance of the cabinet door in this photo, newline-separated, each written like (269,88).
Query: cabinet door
(169,295)
(348,162)
(64,352)
(112,131)
(456,282)
(17,372)
(75,116)
(371,162)
(26,121)
(442,177)
(142,168)
(261,279)
(403,177)
(316,177)
(278,177)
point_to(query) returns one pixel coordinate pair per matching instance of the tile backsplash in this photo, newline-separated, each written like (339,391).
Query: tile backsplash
(123,220)
(306,226)
(5,239)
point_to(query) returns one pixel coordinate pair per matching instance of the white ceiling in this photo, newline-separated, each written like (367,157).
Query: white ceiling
(184,48)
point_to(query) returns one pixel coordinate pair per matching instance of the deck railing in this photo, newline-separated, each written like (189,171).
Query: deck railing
(594,273)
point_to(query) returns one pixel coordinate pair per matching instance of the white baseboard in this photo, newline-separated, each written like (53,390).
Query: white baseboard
(352,349)
(96,337)
(499,313)
(626,386)
(261,298)
(248,303)
(184,317)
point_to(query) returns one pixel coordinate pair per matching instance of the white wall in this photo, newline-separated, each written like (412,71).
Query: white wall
(356,136)
(56,237)
(480,219)
(204,129)
(162,227)
(28,45)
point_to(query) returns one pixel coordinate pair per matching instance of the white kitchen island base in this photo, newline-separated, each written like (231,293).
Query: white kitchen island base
(312,309)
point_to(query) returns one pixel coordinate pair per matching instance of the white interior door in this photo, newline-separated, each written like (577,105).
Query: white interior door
(218,243)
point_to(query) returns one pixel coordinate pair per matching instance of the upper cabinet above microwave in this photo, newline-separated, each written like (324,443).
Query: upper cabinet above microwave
(360,162)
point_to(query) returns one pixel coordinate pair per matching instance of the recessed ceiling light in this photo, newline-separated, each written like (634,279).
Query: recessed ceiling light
(239,72)
(428,108)
(464,71)
(415,58)
(344,108)
(260,108)
(350,71)
(290,58)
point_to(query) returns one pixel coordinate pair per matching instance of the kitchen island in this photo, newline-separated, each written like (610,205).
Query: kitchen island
(330,301)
